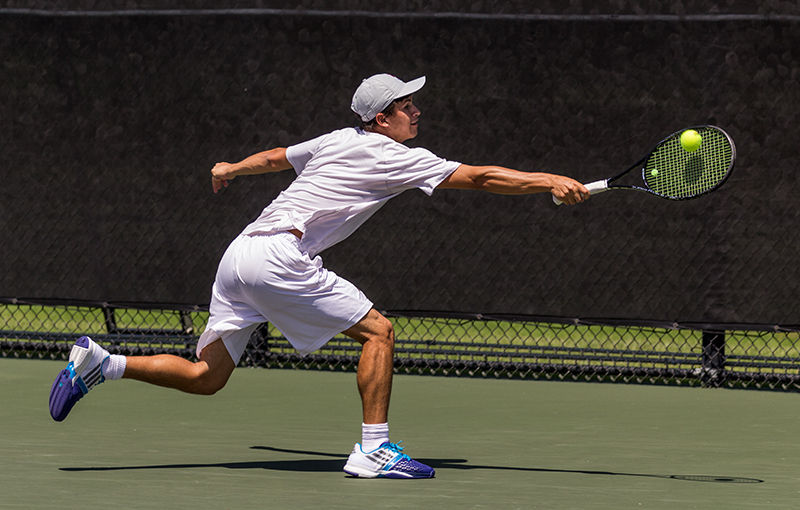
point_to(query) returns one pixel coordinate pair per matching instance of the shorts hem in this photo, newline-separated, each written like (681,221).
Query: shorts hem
(320,342)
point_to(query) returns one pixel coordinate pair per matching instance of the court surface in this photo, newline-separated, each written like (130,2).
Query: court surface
(279,438)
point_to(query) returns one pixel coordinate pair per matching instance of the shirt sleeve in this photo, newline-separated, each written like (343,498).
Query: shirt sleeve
(416,168)
(300,154)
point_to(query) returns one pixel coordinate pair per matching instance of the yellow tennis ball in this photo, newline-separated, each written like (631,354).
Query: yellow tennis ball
(654,172)
(691,140)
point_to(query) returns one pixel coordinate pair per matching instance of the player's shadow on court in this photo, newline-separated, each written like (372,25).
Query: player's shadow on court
(335,461)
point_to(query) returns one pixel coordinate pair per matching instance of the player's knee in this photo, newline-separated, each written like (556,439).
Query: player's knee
(384,333)
(208,382)
(374,330)
(213,370)
(208,387)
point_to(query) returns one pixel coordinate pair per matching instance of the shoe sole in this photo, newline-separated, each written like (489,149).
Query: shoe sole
(68,388)
(63,395)
(358,472)
(365,473)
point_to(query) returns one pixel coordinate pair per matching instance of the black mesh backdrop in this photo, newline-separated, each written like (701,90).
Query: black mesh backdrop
(110,126)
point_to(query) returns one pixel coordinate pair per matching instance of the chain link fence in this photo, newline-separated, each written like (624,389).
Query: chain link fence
(464,346)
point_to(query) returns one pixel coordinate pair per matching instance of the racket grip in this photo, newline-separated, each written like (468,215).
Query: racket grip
(593,187)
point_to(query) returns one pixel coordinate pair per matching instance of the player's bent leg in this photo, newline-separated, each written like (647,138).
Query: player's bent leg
(205,377)
(87,361)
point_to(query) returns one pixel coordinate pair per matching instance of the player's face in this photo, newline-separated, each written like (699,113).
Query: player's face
(404,120)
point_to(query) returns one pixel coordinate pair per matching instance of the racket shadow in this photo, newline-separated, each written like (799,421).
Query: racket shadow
(686,478)
(464,464)
(335,461)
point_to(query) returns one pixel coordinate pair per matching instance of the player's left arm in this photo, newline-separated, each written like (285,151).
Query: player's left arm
(273,160)
(507,181)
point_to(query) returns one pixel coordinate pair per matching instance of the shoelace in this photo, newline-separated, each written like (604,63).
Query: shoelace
(396,448)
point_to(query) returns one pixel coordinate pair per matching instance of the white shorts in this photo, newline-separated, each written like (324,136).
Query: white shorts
(268,278)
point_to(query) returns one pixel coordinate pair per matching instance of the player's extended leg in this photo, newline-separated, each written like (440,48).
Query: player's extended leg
(383,459)
(90,364)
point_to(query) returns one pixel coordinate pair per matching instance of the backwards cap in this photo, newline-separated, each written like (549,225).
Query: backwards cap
(377,92)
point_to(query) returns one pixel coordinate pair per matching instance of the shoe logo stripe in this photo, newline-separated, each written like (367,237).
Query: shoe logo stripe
(93,377)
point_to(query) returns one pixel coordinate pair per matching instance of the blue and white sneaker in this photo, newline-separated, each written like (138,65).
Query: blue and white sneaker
(387,461)
(83,372)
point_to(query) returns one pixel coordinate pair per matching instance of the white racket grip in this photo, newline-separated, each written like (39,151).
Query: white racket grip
(593,187)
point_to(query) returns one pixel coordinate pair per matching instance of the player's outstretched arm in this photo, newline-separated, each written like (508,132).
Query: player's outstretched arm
(507,181)
(263,162)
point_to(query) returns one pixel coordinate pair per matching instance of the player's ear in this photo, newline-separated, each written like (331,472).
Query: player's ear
(380,119)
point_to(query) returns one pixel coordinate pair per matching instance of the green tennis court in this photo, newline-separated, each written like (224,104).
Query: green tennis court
(278,439)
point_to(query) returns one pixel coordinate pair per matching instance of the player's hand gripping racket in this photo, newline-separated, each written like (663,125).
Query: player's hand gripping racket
(676,172)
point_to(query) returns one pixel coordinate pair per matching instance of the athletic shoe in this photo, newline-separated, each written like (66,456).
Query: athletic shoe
(83,372)
(387,461)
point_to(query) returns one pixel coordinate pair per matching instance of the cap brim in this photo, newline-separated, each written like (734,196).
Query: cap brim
(411,87)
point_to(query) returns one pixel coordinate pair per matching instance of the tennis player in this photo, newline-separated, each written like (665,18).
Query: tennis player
(272,271)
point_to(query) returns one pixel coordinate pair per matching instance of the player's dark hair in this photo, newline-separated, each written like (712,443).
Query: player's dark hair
(386,111)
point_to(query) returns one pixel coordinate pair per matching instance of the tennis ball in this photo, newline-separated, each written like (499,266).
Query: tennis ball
(691,140)
(654,172)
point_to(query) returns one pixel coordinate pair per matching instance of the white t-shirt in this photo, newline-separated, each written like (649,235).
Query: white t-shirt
(343,178)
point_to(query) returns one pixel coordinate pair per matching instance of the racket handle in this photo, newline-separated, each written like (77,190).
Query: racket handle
(593,187)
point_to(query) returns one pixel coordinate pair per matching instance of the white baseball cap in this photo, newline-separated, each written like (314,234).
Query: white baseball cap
(377,92)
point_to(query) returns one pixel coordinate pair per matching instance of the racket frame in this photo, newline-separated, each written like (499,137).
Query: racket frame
(606,184)
(643,164)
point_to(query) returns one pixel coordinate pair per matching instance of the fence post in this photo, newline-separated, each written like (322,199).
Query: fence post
(712,372)
(110,319)
(187,326)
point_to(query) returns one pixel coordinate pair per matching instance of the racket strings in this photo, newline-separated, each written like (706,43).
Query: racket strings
(673,172)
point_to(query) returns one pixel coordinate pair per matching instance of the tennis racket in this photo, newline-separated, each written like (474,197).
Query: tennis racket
(670,171)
